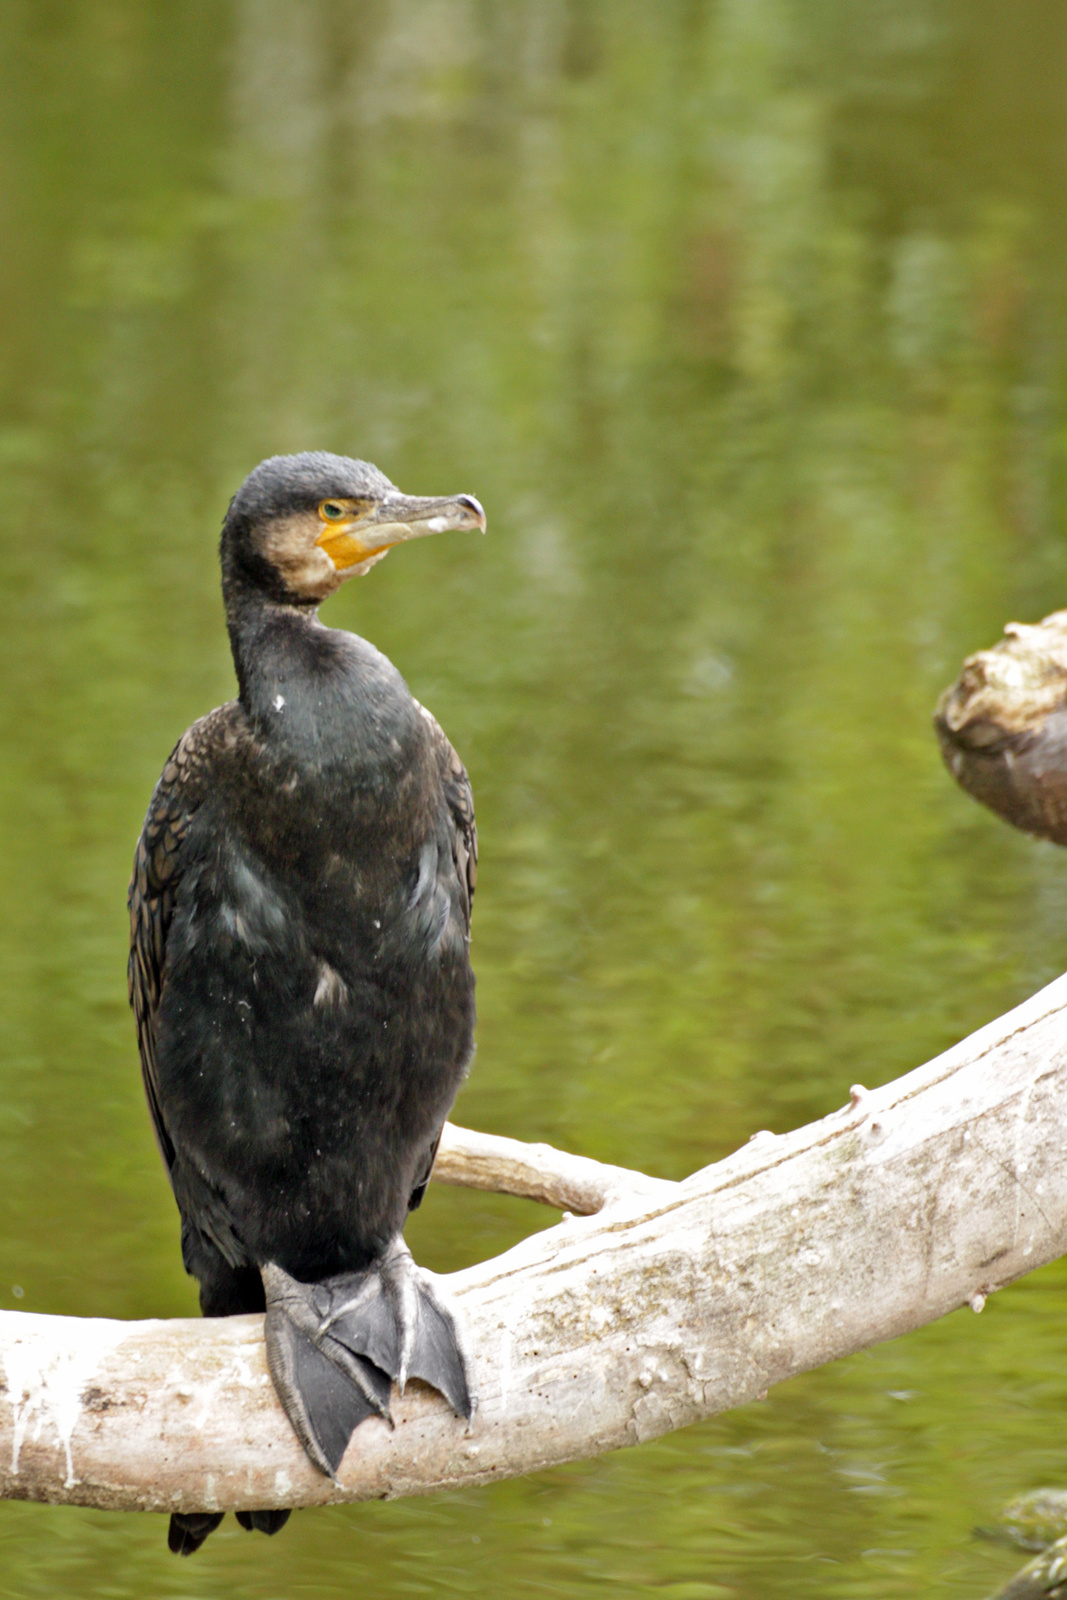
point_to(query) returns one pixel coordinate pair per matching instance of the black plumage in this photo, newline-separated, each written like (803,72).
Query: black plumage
(299,964)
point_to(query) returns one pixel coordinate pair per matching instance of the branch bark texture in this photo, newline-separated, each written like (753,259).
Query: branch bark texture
(671,1302)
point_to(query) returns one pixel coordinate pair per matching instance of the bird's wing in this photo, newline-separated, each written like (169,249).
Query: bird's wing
(418,1193)
(460,797)
(157,869)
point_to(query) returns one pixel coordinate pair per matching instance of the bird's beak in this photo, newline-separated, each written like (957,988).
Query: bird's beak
(374,529)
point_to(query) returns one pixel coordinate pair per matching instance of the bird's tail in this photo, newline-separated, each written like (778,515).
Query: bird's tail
(189,1529)
(335,1347)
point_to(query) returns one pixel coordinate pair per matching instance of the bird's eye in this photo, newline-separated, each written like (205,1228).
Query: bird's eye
(330,511)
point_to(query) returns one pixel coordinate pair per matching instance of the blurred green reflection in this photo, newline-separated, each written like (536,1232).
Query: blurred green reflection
(744,319)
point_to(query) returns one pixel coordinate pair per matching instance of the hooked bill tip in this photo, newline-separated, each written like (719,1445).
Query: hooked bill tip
(471,504)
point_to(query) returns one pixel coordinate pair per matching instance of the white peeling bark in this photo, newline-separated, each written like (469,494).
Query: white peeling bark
(671,1303)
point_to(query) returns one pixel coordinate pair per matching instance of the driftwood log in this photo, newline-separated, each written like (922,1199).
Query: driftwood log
(1003,726)
(665,1303)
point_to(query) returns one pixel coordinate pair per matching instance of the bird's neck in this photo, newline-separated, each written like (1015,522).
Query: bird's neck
(320,696)
(269,639)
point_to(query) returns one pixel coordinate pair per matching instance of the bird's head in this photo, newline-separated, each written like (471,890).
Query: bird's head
(300,525)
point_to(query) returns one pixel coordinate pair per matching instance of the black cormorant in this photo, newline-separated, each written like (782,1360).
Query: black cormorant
(299,965)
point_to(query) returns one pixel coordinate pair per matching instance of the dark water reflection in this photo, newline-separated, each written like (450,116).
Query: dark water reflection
(745,322)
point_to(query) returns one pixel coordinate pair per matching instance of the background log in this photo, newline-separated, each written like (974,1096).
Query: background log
(672,1303)
(1003,727)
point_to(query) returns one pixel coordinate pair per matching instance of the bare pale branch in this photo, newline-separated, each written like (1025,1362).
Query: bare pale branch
(536,1172)
(672,1303)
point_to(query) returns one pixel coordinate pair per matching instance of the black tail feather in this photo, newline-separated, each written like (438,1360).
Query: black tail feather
(189,1529)
(263,1521)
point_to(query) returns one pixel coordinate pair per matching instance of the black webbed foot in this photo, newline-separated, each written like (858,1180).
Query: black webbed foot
(333,1347)
(189,1529)
(325,1389)
(262,1521)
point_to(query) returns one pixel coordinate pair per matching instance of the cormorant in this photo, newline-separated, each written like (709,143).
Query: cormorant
(299,965)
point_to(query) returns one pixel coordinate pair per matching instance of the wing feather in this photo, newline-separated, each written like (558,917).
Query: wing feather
(157,869)
(460,797)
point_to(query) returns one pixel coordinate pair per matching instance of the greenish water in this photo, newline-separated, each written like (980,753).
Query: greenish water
(745,321)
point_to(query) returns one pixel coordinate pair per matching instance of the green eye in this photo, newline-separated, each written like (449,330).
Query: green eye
(330,511)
